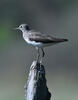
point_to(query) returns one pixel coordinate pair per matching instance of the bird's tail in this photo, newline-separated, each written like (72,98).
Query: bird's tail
(63,40)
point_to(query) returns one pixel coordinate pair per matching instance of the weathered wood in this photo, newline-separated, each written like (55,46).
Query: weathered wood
(36,88)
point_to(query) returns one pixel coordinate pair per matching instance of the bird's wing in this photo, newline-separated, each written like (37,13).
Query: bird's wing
(44,38)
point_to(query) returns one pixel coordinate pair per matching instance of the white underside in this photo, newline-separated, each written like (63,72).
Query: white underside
(38,44)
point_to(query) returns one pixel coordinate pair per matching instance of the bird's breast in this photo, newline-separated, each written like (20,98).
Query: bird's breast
(32,42)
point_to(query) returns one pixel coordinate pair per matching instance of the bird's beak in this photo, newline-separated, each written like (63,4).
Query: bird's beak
(17,28)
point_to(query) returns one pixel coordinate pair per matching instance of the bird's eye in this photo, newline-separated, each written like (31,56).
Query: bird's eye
(20,26)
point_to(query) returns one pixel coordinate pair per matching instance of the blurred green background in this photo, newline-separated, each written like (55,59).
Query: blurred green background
(56,17)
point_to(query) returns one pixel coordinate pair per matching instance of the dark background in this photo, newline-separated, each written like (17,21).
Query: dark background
(55,17)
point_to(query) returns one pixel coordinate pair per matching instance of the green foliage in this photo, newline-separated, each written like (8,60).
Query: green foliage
(5,33)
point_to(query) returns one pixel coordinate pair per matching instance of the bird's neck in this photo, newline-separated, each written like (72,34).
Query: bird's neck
(25,34)
(24,31)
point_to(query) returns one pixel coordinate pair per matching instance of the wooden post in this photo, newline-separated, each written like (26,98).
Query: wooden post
(36,88)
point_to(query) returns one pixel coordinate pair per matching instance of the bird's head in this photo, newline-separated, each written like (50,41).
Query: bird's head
(23,27)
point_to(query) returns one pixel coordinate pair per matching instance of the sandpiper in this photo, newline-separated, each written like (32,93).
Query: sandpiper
(38,39)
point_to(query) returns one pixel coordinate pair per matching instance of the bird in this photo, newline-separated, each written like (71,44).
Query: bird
(38,39)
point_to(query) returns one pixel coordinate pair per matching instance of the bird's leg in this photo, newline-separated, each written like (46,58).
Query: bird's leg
(43,54)
(38,54)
